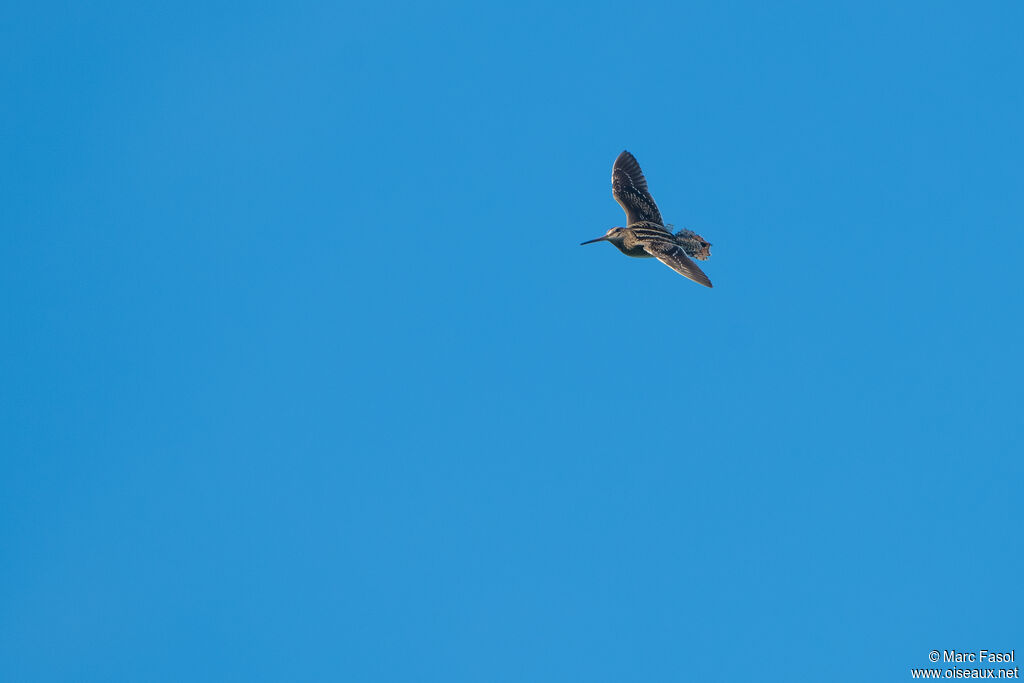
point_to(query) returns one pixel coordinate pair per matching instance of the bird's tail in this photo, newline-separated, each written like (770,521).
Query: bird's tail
(694,245)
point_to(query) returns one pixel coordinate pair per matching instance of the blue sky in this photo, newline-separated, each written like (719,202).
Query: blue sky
(306,378)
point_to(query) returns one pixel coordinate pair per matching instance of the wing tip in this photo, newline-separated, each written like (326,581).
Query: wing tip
(625,156)
(699,277)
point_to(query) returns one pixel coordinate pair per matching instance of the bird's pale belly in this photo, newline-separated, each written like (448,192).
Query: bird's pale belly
(635,251)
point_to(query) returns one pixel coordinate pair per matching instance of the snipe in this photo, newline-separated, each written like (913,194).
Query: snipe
(645,235)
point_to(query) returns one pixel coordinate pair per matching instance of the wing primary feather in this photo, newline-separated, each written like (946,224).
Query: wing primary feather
(629,188)
(673,256)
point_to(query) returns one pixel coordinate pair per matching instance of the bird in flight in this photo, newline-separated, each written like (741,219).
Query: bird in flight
(645,235)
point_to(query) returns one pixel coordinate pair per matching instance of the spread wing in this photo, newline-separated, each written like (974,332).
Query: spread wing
(673,256)
(629,187)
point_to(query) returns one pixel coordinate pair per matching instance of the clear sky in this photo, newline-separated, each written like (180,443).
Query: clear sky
(305,376)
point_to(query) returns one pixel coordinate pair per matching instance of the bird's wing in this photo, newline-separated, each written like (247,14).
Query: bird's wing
(673,256)
(629,187)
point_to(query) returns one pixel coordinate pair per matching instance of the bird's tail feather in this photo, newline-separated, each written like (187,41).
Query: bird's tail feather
(693,244)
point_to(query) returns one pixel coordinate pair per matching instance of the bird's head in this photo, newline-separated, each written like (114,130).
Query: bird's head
(615,236)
